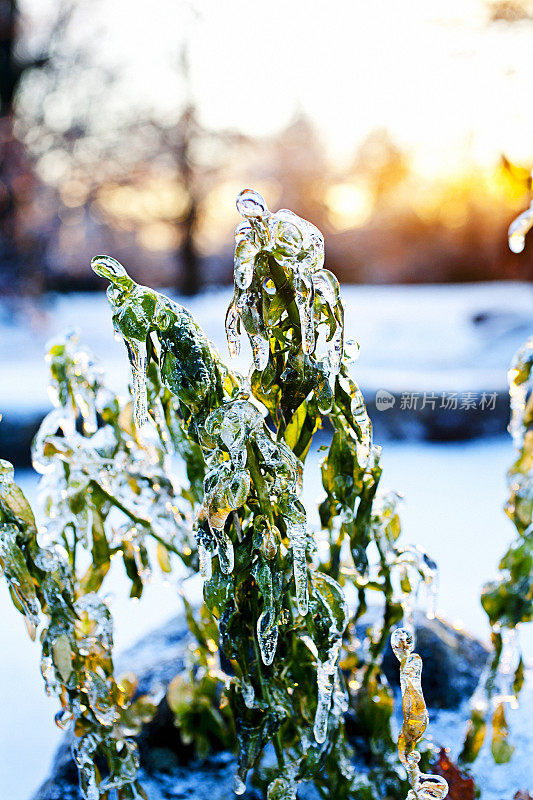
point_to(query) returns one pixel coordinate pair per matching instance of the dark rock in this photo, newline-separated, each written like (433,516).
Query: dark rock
(453,662)
(436,424)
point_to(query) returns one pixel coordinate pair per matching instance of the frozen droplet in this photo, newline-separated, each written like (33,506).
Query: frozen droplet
(239,787)
(233,324)
(251,205)
(518,230)
(244,230)
(402,643)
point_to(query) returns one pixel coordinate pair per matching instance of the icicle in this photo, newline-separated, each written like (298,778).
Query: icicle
(137,355)
(518,230)
(297,538)
(245,253)
(260,351)
(249,309)
(267,636)
(415,720)
(205,545)
(336,349)
(362,419)
(297,534)
(304,299)
(326,675)
(225,551)
(233,324)
(331,698)
(204,558)
(326,286)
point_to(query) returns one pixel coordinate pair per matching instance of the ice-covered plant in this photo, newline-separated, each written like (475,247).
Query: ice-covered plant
(104,494)
(277,669)
(508,601)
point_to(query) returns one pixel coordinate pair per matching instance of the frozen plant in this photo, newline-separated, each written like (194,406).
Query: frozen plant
(275,669)
(104,494)
(508,601)
(415,720)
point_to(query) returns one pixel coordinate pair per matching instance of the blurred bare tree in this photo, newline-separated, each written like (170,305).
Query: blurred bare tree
(126,181)
(17,252)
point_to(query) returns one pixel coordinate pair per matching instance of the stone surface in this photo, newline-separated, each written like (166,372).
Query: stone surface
(452,660)
(452,665)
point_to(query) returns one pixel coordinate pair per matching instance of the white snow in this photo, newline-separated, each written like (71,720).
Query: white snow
(412,338)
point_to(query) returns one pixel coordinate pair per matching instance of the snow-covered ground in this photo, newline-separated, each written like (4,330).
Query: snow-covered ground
(412,338)
(453,508)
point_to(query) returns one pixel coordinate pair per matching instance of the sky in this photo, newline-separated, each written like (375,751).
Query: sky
(449,87)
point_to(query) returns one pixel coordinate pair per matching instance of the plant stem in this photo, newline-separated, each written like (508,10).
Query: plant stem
(138,520)
(264,502)
(259,483)
(286,292)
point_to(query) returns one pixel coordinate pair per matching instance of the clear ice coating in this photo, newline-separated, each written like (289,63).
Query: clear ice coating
(415,719)
(187,361)
(103,489)
(414,562)
(298,248)
(232,432)
(519,228)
